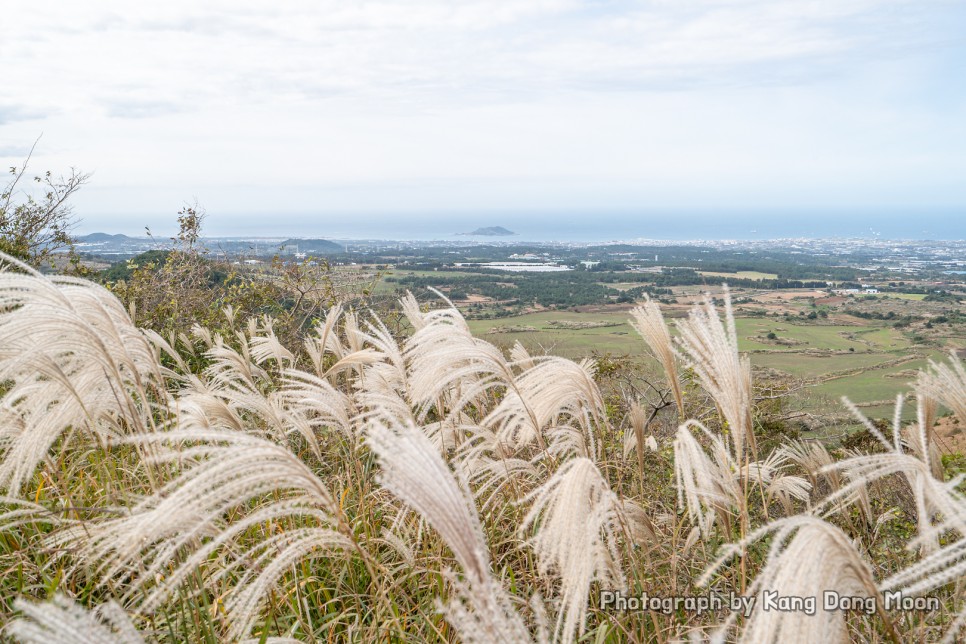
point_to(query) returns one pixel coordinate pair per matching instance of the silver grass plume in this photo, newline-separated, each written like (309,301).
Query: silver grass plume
(921,438)
(711,349)
(446,363)
(254,480)
(312,403)
(946,383)
(239,394)
(520,356)
(648,321)
(412,311)
(934,497)
(575,518)
(542,398)
(71,359)
(778,485)
(634,438)
(61,621)
(325,340)
(705,485)
(815,460)
(414,471)
(266,346)
(807,557)
(716,484)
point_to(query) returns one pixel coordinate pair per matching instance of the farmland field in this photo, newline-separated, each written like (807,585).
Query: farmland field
(916,297)
(568,342)
(868,363)
(745,275)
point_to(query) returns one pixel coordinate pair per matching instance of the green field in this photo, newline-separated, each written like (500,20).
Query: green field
(404,273)
(874,349)
(906,296)
(745,275)
(571,343)
(809,366)
(875,384)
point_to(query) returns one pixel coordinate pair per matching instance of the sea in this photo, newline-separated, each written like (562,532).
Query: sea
(589,226)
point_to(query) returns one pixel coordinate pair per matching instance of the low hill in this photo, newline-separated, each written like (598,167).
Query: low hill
(323,246)
(97,238)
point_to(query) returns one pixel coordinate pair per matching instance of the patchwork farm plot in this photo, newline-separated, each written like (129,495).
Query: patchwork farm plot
(869,361)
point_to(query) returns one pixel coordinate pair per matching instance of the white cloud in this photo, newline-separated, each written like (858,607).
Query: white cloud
(539,103)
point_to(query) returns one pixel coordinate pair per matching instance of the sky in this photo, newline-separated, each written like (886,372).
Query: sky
(296,116)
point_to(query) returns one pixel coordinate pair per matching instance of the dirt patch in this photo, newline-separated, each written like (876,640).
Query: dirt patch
(579,324)
(950,435)
(904,374)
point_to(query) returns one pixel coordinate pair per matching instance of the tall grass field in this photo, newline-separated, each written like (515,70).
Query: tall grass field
(374,485)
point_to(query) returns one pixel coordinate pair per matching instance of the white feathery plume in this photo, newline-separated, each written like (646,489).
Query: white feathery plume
(445,360)
(315,402)
(575,519)
(238,394)
(325,340)
(567,441)
(353,335)
(414,471)
(353,355)
(412,311)
(230,368)
(450,432)
(389,371)
(70,358)
(520,356)
(257,482)
(923,448)
(785,488)
(777,484)
(634,438)
(946,383)
(492,475)
(638,525)
(810,455)
(705,484)
(538,399)
(648,321)
(933,496)
(921,437)
(817,462)
(61,621)
(711,349)
(203,334)
(807,557)
(265,345)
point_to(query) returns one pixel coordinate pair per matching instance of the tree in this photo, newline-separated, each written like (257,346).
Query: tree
(171,291)
(34,226)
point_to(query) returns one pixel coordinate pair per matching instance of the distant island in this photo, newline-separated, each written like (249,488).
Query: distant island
(491,231)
